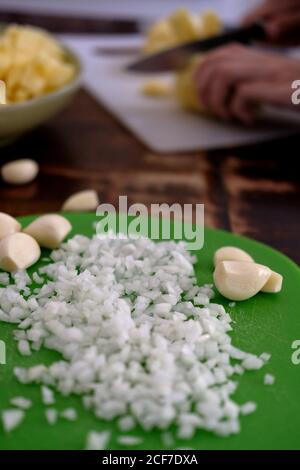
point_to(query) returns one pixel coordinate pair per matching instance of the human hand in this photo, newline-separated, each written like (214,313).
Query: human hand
(281,19)
(234,80)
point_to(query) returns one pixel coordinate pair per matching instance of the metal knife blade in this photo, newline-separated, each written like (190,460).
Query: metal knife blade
(177,57)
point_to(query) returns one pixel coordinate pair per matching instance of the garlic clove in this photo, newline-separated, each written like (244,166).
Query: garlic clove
(20,171)
(82,201)
(231,253)
(274,284)
(8,225)
(49,230)
(239,280)
(18,251)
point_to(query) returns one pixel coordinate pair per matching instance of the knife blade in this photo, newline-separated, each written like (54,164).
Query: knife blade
(177,57)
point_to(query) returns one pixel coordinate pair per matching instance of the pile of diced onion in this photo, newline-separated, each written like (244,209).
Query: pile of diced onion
(139,340)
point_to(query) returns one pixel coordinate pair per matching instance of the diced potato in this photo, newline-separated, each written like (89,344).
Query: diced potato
(160,36)
(186,26)
(211,23)
(31,63)
(180,27)
(185,90)
(157,88)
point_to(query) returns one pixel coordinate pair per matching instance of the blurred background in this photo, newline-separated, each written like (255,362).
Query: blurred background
(141,10)
(249,186)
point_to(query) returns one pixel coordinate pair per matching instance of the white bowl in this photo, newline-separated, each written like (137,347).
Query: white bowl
(17,119)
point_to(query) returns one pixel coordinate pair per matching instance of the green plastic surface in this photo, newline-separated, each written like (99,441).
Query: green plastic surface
(265,323)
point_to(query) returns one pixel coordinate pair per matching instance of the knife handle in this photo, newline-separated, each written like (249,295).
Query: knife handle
(257,31)
(245,35)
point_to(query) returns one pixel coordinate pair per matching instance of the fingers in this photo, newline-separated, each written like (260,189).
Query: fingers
(247,96)
(222,71)
(233,80)
(259,13)
(242,106)
(270,8)
(218,84)
(280,17)
(233,52)
(284,29)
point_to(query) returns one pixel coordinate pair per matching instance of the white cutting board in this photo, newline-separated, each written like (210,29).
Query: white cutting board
(161,123)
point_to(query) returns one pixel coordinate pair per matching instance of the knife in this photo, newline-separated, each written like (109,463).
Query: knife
(177,57)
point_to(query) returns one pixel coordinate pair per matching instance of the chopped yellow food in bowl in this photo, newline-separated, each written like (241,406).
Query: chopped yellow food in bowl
(39,76)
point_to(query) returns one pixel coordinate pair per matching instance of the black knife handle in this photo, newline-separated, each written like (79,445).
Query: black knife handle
(242,35)
(245,35)
(176,57)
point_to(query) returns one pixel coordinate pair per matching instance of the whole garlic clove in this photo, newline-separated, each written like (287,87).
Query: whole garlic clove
(231,253)
(18,251)
(82,201)
(49,230)
(8,225)
(238,280)
(20,171)
(274,284)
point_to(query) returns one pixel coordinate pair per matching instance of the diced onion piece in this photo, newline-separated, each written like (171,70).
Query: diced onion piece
(97,440)
(47,395)
(21,402)
(269,379)
(51,416)
(129,440)
(12,419)
(70,414)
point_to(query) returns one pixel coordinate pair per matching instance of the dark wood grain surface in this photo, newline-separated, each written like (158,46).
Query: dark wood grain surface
(254,191)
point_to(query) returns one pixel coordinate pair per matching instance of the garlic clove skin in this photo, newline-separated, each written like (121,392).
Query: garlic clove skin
(238,280)
(8,225)
(82,201)
(49,230)
(231,253)
(18,251)
(274,284)
(20,171)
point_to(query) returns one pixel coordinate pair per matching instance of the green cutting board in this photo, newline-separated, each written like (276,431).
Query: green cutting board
(265,323)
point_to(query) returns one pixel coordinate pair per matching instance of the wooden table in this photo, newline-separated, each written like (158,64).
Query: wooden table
(254,191)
